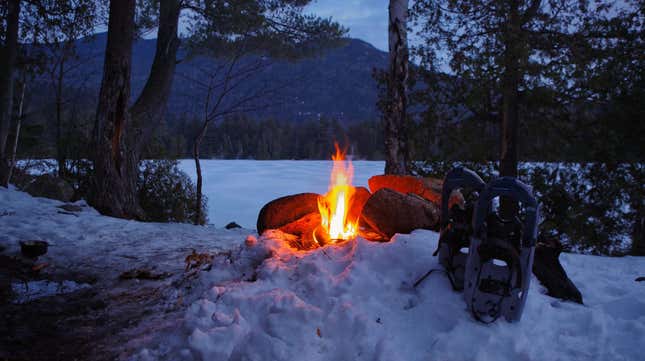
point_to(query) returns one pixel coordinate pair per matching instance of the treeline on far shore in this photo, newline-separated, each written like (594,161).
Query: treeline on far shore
(248,137)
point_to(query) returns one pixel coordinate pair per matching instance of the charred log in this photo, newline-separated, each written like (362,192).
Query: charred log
(303,229)
(388,212)
(285,210)
(428,188)
(357,202)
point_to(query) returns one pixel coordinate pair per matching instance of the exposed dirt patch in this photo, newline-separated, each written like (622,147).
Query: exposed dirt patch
(91,323)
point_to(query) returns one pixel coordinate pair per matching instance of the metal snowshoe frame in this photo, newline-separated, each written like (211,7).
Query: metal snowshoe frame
(500,259)
(456,224)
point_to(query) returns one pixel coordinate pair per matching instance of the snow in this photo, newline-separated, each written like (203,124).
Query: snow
(237,189)
(90,242)
(354,301)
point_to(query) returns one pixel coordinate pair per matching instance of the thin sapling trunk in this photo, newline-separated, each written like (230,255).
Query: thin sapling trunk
(198,170)
(14,149)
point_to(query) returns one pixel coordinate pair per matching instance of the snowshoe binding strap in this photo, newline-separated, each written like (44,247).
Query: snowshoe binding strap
(456,223)
(501,253)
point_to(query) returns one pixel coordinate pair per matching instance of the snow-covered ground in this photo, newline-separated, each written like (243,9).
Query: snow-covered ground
(354,301)
(237,189)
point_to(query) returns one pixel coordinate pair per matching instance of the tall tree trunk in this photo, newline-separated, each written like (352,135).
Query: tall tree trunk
(510,105)
(14,148)
(394,117)
(149,109)
(8,53)
(115,169)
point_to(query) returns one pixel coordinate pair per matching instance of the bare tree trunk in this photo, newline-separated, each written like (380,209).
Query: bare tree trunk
(510,106)
(149,109)
(60,153)
(198,170)
(14,149)
(115,168)
(8,54)
(394,117)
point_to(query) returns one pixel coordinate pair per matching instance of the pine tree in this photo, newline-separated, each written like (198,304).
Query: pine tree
(500,52)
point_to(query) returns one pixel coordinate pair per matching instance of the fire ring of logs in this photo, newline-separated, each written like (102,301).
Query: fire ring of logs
(393,204)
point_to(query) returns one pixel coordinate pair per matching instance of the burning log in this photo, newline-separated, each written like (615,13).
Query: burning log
(317,220)
(276,212)
(428,188)
(388,212)
(303,228)
(357,202)
(549,271)
(285,210)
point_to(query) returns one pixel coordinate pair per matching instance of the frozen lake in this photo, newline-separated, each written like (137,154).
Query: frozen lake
(237,189)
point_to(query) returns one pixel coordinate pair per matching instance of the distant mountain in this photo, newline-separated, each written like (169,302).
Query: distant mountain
(336,84)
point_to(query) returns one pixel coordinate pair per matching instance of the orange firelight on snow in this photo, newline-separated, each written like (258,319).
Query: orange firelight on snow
(334,206)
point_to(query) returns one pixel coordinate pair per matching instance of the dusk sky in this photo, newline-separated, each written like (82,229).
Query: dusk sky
(366,19)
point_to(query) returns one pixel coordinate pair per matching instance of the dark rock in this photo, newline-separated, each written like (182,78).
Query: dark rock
(68,213)
(285,210)
(71,207)
(20,178)
(232,225)
(388,212)
(33,249)
(551,274)
(50,186)
(143,274)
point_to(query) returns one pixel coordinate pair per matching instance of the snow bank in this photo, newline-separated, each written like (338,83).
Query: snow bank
(355,302)
(88,242)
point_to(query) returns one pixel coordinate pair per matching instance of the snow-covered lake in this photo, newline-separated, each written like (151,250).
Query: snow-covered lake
(237,189)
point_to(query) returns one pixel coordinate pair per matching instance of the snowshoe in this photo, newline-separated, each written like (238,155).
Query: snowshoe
(456,223)
(498,270)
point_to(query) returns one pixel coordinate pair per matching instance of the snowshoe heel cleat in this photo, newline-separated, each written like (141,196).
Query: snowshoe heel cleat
(456,222)
(500,258)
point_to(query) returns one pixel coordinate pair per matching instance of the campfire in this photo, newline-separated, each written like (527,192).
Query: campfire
(335,223)
(393,204)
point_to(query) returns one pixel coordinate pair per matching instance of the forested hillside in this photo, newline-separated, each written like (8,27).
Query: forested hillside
(335,83)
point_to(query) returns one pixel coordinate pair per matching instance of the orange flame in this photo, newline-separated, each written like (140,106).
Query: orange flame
(334,206)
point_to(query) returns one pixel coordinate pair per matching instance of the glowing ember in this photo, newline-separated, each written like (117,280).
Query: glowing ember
(334,206)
